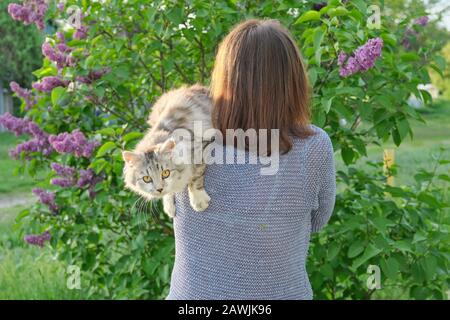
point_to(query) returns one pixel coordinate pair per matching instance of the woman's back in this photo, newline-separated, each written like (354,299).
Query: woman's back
(252,241)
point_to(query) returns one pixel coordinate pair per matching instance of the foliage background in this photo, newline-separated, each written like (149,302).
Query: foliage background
(150,47)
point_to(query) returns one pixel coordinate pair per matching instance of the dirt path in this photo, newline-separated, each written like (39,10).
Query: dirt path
(12,200)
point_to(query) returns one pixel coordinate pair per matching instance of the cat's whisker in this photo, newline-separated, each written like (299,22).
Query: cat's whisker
(134,204)
(145,213)
(141,213)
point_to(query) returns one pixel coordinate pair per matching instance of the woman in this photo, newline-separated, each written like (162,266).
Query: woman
(252,241)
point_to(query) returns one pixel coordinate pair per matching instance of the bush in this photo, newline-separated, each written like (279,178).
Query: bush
(101,77)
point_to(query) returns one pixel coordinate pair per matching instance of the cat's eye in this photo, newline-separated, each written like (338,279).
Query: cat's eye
(165,174)
(147,179)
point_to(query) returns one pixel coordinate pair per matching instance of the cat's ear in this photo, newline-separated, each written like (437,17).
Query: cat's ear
(167,147)
(131,158)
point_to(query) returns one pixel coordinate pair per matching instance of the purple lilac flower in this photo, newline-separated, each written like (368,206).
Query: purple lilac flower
(38,239)
(63,182)
(81,33)
(85,178)
(32,11)
(320,5)
(20,126)
(48,198)
(47,84)
(88,179)
(362,59)
(60,6)
(75,143)
(93,75)
(341,58)
(66,173)
(24,94)
(406,43)
(61,53)
(422,21)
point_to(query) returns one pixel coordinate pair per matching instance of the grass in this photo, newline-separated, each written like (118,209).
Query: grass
(11,183)
(28,272)
(419,152)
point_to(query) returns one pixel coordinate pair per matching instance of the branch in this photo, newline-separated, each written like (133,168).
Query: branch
(203,62)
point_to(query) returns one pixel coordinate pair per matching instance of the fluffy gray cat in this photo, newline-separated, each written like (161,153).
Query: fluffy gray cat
(153,168)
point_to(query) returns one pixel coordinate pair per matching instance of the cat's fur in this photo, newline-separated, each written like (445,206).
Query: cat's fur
(155,153)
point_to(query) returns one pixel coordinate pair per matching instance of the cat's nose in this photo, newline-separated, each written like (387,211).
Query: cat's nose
(159,190)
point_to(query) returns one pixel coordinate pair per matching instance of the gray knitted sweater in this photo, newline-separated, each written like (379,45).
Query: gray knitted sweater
(252,241)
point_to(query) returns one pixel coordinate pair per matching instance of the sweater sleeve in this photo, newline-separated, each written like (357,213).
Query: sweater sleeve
(326,175)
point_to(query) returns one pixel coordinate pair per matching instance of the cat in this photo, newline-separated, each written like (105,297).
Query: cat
(152,169)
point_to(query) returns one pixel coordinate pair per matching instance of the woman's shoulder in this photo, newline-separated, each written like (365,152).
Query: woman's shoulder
(317,141)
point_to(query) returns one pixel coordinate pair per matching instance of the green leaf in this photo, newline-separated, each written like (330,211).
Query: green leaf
(403,127)
(370,252)
(326,104)
(132,136)
(390,267)
(444,177)
(312,73)
(381,223)
(107,132)
(317,40)
(45,72)
(347,155)
(409,57)
(311,15)
(106,147)
(440,62)
(429,265)
(58,96)
(333,250)
(339,11)
(403,245)
(355,249)
(429,199)
(361,5)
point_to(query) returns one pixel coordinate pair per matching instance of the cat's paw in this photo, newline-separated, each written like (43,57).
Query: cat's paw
(170,211)
(169,207)
(200,200)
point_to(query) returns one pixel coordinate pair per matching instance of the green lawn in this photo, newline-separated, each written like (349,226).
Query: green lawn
(28,272)
(418,153)
(11,183)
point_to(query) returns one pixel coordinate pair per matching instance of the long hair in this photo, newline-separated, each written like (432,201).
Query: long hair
(259,81)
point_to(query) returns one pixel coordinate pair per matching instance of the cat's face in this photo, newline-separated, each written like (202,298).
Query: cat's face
(154,173)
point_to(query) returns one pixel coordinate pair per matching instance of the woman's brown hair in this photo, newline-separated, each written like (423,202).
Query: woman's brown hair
(259,81)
